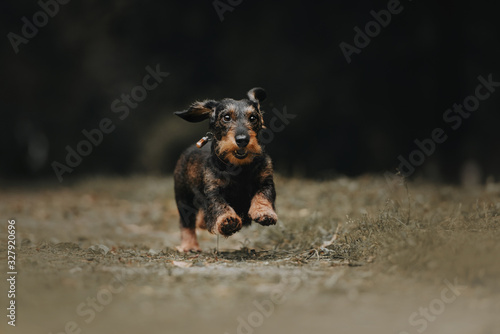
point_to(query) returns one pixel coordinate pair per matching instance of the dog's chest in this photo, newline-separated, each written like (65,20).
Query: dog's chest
(239,191)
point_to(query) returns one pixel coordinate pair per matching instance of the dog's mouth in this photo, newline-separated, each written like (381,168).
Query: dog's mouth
(240,153)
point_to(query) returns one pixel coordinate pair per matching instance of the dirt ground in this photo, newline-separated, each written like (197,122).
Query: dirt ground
(348,256)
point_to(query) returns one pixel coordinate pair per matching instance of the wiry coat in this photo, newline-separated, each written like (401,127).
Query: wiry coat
(228,184)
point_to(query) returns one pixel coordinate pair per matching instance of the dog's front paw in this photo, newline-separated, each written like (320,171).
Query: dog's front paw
(265,218)
(228,224)
(262,212)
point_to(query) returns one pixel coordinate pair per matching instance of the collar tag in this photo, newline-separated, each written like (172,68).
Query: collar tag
(207,137)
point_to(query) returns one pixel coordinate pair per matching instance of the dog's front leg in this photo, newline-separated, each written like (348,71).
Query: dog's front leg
(262,205)
(220,217)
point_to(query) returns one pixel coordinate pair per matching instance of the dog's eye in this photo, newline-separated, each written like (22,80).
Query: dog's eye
(226,118)
(252,118)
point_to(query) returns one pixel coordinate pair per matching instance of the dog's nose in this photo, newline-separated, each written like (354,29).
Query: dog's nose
(242,140)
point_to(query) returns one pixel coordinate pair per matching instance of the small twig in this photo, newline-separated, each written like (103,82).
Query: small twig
(317,253)
(335,236)
(312,252)
(399,221)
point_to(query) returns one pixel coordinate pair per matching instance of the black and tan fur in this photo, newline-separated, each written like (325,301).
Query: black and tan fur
(228,184)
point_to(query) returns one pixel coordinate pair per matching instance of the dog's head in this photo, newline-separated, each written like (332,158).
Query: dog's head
(235,125)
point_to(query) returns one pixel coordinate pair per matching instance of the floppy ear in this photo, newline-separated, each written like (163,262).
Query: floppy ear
(198,111)
(257,94)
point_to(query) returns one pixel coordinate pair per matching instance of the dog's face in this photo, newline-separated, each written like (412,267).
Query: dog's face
(235,125)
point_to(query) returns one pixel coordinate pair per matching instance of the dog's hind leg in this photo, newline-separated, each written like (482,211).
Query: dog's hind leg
(188,220)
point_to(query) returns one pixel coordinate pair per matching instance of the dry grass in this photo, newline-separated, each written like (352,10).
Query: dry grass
(416,229)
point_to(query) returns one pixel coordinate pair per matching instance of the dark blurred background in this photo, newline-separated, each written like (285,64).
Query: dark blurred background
(350,119)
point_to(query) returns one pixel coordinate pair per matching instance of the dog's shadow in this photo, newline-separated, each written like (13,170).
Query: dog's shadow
(243,254)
